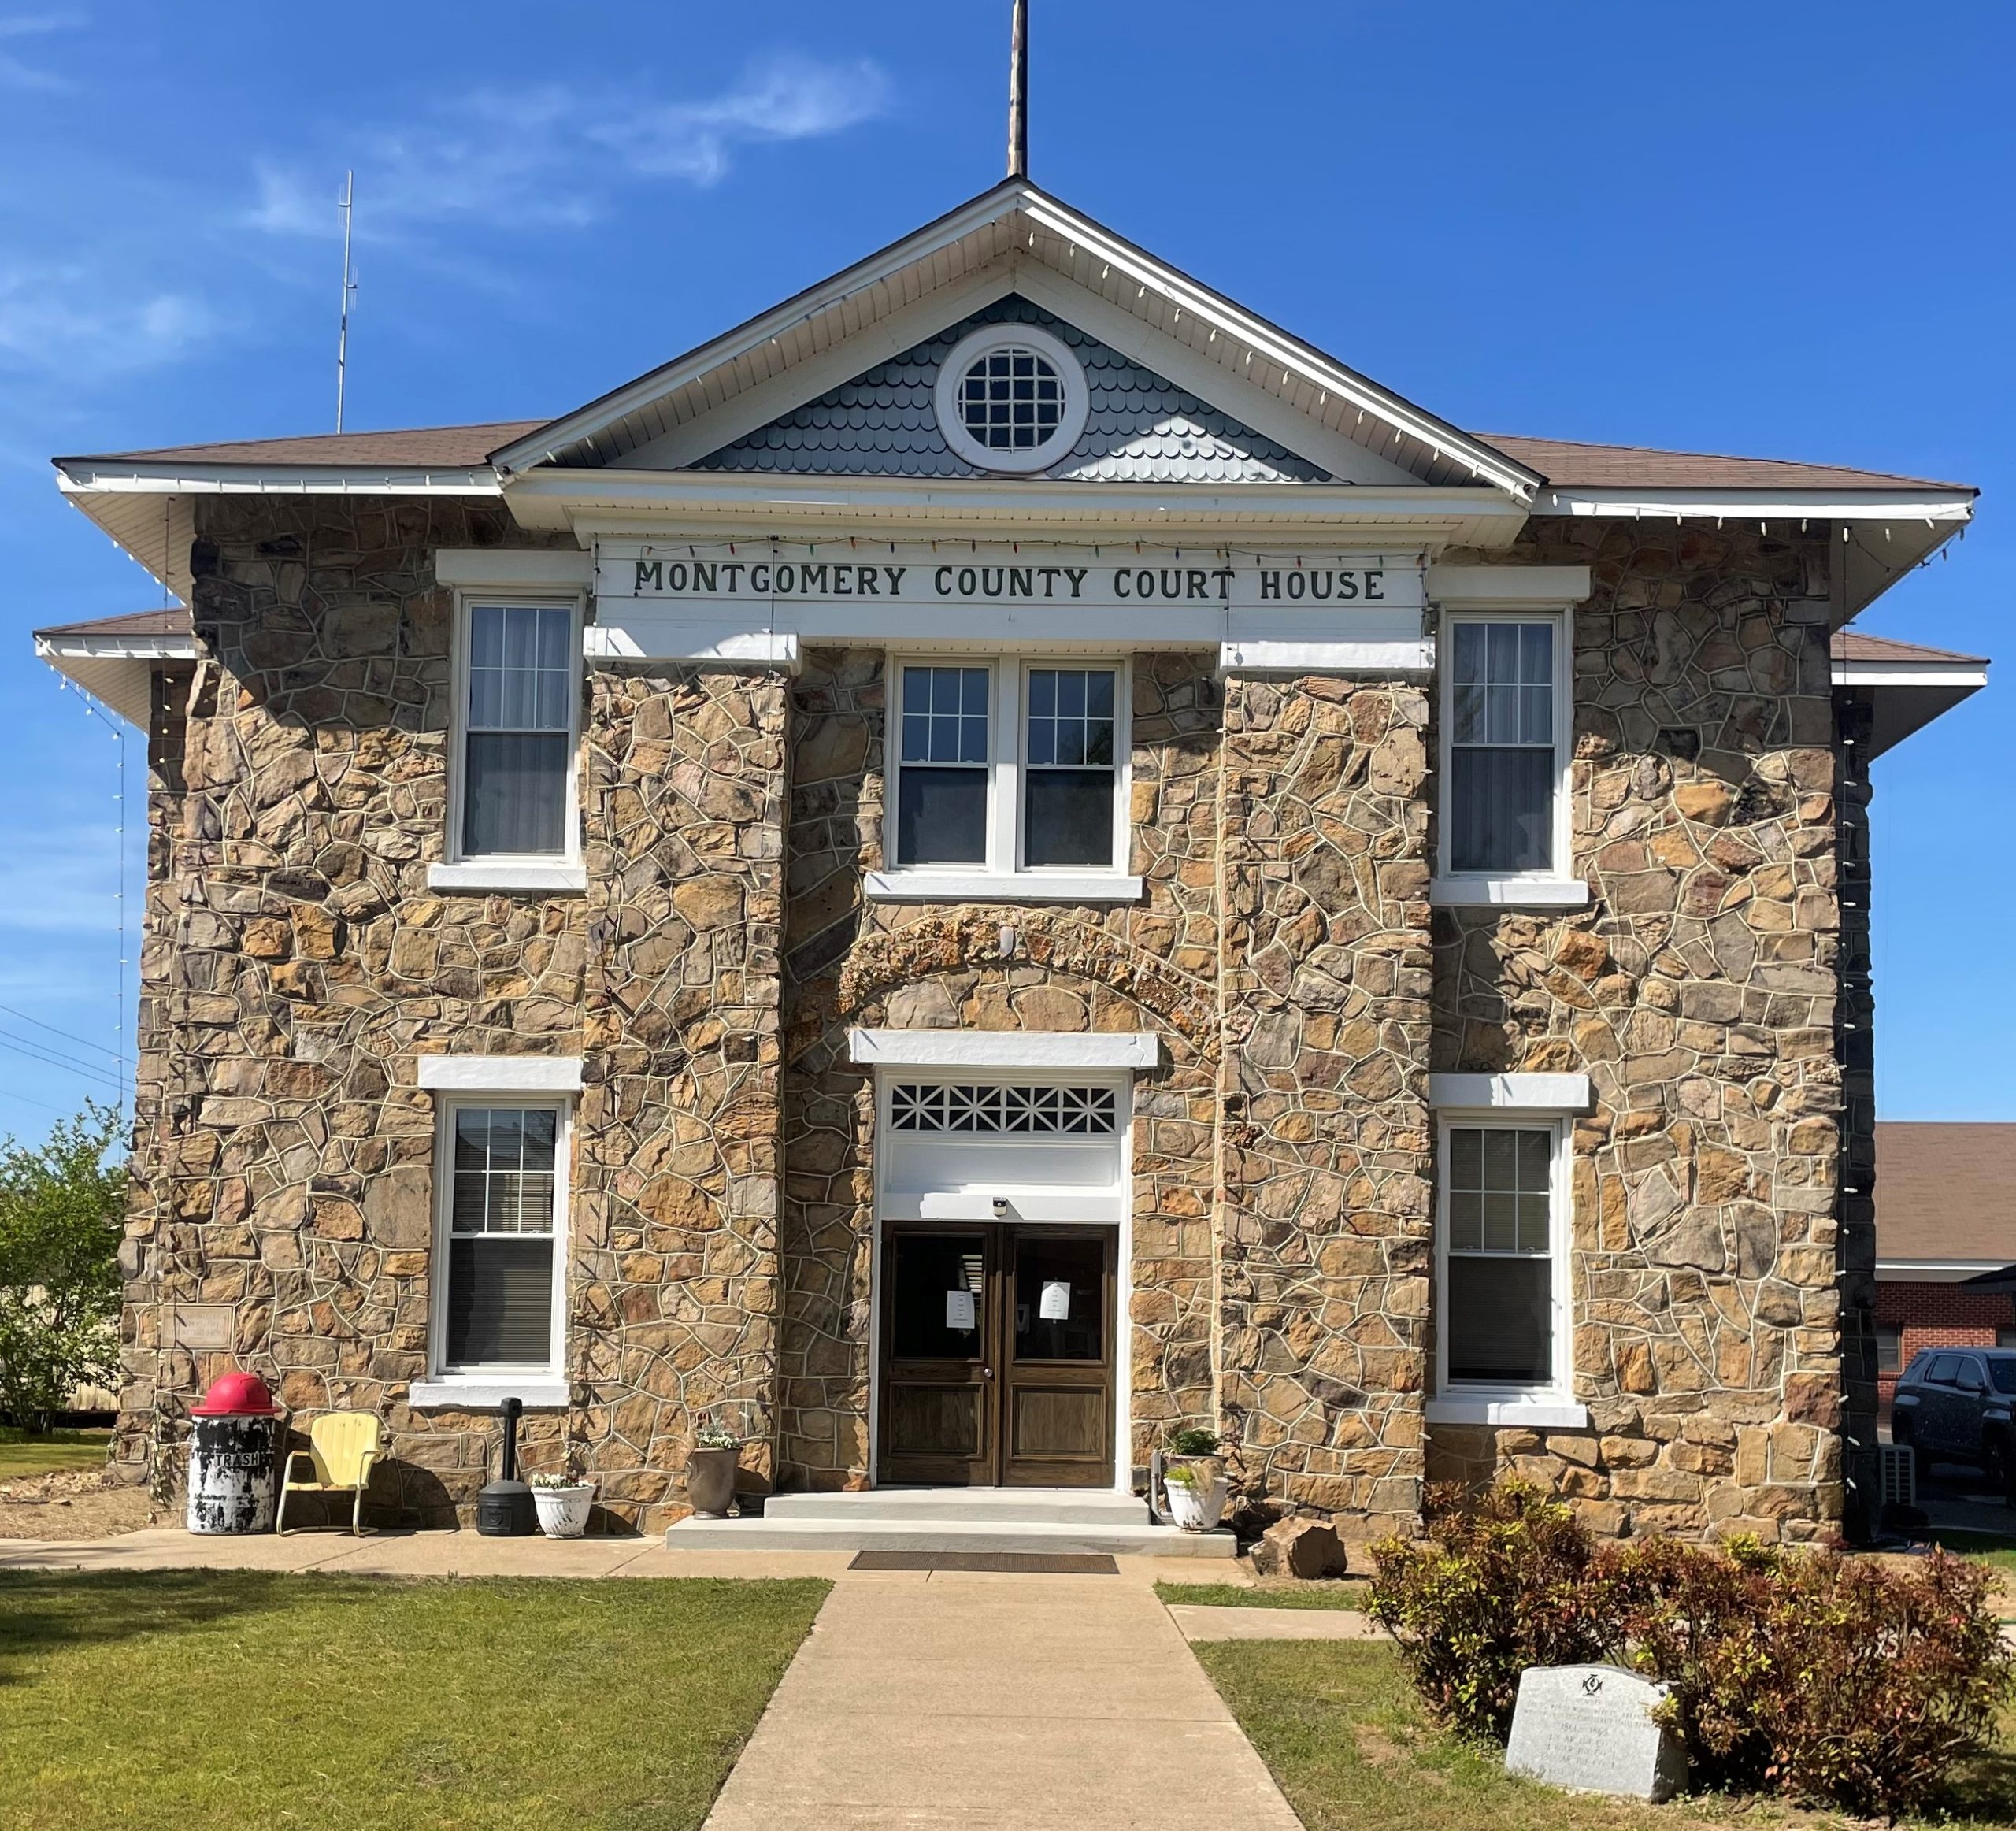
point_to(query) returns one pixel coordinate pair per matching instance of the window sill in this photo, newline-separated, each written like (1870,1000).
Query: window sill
(482,878)
(1001,886)
(1509,893)
(1536,1410)
(479,1392)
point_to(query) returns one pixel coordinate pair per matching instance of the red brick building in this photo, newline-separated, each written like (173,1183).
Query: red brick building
(1945,1213)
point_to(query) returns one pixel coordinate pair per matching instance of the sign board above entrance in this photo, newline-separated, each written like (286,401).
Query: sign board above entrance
(758,601)
(713,580)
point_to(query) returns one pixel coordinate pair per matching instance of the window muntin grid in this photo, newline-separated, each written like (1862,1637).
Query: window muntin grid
(945,715)
(504,1170)
(1004,1109)
(1011,399)
(1500,1190)
(1071,718)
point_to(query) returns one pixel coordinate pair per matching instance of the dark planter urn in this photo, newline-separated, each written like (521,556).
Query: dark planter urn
(711,1481)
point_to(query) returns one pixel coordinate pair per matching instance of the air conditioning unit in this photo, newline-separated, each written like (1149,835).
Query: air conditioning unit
(1896,1475)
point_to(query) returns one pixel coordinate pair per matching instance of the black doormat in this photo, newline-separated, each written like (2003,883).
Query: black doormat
(1024,1563)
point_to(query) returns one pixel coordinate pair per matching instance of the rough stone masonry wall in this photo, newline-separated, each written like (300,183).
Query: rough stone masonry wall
(850,961)
(295,964)
(1698,993)
(1325,1194)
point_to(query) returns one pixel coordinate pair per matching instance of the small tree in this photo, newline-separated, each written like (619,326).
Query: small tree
(61,1212)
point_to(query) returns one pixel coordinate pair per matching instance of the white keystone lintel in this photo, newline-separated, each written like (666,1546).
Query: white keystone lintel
(514,569)
(991,1049)
(1383,658)
(1540,587)
(650,636)
(1511,1093)
(501,1074)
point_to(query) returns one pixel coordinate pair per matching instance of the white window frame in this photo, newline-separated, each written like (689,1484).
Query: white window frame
(1071,378)
(1004,876)
(1548,1404)
(1551,887)
(536,1386)
(558,872)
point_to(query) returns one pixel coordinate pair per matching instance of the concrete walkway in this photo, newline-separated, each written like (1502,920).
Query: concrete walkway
(997,1703)
(1274,1624)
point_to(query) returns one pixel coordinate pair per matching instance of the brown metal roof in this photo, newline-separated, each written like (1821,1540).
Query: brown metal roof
(1946,1191)
(174,621)
(1851,644)
(1565,464)
(458,447)
(1568,464)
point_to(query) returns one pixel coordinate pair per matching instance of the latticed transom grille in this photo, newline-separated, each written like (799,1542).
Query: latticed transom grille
(1011,399)
(1003,1110)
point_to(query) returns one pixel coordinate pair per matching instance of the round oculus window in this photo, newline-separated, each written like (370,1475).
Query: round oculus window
(1011,398)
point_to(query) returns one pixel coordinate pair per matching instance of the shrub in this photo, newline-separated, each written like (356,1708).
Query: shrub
(1804,1672)
(1503,1583)
(1827,1677)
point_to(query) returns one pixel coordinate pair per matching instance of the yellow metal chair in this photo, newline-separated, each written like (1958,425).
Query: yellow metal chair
(342,1445)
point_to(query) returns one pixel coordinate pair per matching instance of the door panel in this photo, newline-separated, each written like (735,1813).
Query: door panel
(997,1355)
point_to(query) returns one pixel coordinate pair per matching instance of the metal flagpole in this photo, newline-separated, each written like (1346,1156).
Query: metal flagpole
(350,287)
(1018,94)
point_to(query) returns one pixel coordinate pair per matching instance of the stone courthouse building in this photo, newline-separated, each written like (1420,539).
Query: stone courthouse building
(1004,859)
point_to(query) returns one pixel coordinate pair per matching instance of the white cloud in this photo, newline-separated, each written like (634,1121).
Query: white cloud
(16,74)
(546,156)
(82,318)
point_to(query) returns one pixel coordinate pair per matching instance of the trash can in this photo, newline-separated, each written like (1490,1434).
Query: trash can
(231,1443)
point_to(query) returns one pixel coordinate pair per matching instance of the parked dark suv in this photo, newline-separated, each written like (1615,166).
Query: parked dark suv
(1953,1405)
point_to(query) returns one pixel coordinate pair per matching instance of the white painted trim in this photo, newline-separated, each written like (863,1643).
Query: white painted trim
(1509,891)
(1326,657)
(479,1393)
(499,1074)
(1968,674)
(1553,587)
(622,633)
(1092,1051)
(1071,376)
(932,886)
(115,648)
(80,477)
(1763,504)
(486,877)
(488,866)
(1538,1094)
(513,567)
(1537,1411)
(1938,1271)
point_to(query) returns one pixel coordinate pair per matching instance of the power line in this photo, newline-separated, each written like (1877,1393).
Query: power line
(34,1053)
(68,1035)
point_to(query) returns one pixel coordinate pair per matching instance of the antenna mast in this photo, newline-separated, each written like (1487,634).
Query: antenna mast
(1018,93)
(350,292)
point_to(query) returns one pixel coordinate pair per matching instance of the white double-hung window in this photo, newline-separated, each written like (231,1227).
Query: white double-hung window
(1505,657)
(512,815)
(1503,1335)
(1007,778)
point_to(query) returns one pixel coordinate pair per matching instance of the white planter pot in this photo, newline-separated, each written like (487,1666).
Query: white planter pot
(1196,1509)
(563,1512)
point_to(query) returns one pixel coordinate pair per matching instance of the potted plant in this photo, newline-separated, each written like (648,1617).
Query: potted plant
(562,1500)
(711,1469)
(1194,1480)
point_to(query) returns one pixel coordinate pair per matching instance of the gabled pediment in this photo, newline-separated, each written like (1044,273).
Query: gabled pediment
(1229,378)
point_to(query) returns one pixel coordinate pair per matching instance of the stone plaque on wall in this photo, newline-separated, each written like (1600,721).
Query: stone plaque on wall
(204,1325)
(1590,1728)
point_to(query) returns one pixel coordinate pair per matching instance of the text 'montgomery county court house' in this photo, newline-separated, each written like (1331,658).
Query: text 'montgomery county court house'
(1005,857)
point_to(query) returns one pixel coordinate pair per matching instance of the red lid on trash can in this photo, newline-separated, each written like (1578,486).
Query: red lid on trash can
(235,1395)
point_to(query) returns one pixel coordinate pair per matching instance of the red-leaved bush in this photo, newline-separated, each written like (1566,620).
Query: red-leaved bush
(1826,1678)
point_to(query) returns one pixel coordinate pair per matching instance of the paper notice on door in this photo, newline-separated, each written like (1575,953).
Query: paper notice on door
(958,1310)
(1055,1306)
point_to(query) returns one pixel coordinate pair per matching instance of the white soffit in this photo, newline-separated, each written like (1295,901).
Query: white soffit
(1003,1049)
(1906,696)
(1510,1093)
(500,1074)
(1018,224)
(117,670)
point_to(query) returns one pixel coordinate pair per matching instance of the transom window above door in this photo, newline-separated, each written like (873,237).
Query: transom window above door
(1004,1109)
(1012,769)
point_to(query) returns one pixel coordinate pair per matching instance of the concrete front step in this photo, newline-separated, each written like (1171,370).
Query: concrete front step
(950,1532)
(1100,1507)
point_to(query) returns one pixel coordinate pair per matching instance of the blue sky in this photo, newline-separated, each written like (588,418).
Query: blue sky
(1780,230)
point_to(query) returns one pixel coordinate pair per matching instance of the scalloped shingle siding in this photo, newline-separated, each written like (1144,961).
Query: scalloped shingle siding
(1141,429)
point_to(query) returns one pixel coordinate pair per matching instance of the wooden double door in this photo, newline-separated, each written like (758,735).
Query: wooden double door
(997,1355)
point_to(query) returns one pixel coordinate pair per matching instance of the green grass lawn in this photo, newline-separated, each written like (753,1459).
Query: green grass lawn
(1338,1595)
(22,1455)
(1339,1725)
(237,1701)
